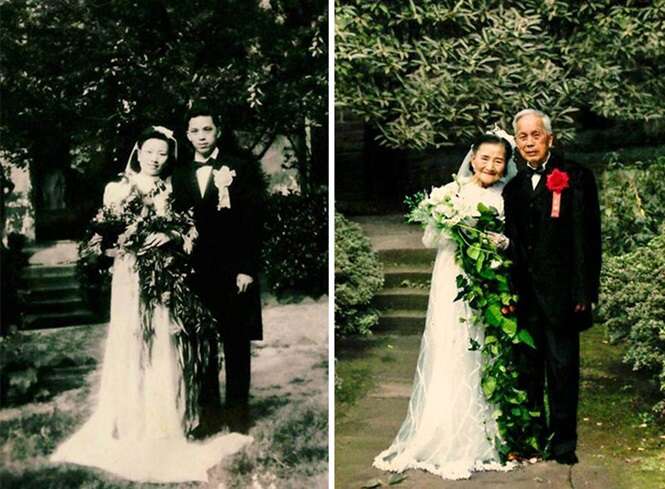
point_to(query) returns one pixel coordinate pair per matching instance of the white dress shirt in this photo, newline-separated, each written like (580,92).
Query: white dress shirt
(535,178)
(203,173)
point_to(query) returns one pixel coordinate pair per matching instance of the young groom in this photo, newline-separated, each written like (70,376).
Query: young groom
(553,222)
(225,191)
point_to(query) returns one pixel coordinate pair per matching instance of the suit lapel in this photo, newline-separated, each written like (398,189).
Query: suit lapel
(193,183)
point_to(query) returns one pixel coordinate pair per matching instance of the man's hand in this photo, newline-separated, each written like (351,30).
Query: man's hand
(580,307)
(243,282)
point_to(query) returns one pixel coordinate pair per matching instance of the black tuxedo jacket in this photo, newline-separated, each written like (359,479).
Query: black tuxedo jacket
(556,260)
(228,242)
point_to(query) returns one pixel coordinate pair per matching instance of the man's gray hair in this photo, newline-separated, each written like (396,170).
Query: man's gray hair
(547,122)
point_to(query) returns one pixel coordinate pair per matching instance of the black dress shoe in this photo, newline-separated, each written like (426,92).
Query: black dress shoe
(567,458)
(237,419)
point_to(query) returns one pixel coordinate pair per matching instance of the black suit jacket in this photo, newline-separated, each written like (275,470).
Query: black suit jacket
(556,260)
(228,242)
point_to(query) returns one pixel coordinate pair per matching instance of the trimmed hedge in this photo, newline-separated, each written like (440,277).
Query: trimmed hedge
(358,277)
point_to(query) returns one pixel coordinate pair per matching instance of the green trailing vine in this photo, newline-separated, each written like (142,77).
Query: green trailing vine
(485,287)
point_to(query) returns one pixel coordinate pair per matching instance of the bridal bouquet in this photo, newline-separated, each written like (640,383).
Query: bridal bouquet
(484,286)
(124,225)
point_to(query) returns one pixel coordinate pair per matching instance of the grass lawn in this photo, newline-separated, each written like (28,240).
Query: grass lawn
(616,429)
(289,408)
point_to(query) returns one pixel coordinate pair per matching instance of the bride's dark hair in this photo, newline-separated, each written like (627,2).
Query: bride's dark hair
(492,139)
(152,133)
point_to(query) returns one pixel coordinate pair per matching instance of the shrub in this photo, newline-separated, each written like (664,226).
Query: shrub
(12,262)
(358,277)
(632,305)
(631,200)
(295,249)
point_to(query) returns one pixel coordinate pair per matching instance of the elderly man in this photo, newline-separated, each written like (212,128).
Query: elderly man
(553,222)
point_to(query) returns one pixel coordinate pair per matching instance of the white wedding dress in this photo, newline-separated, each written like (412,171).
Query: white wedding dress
(137,429)
(449,430)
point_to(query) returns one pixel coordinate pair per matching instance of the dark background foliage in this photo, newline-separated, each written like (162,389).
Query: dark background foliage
(295,251)
(80,78)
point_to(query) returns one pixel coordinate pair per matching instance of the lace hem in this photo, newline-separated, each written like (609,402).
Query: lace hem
(458,470)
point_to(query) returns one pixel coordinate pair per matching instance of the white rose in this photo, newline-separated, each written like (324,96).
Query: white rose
(116,192)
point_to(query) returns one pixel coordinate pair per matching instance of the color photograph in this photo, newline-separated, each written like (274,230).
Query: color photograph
(499,194)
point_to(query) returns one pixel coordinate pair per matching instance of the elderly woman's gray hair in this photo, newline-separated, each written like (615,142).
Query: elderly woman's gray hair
(547,122)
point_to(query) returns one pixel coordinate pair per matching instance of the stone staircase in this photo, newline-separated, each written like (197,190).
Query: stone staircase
(51,290)
(402,302)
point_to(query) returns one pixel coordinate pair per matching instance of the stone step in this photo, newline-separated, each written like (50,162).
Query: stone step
(403,322)
(57,305)
(401,276)
(59,319)
(57,290)
(407,256)
(49,271)
(402,298)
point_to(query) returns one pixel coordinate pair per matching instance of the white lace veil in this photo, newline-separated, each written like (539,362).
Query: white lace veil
(465,170)
(133,156)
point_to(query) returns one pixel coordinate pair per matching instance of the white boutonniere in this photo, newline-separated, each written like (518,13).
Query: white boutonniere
(223,179)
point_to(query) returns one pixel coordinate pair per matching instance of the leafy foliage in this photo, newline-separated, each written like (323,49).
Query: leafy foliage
(93,74)
(295,251)
(484,286)
(631,200)
(358,277)
(632,304)
(431,73)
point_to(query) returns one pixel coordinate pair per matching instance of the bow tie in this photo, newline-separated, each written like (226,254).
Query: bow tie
(535,171)
(208,162)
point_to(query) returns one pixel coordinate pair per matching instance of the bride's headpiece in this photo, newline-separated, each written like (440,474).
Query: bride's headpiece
(465,170)
(134,153)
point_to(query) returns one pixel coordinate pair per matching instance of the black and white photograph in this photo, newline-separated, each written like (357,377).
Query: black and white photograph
(165,242)
(500,229)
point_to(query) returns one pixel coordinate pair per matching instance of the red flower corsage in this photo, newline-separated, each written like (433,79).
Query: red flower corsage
(557,182)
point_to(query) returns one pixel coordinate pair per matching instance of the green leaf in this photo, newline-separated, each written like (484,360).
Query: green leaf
(480,261)
(526,338)
(493,315)
(372,483)
(509,326)
(489,385)
(396,479)
(473,251)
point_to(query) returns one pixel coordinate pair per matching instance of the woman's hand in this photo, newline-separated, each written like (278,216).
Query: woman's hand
(154,240)
(499,240)
(111,252)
